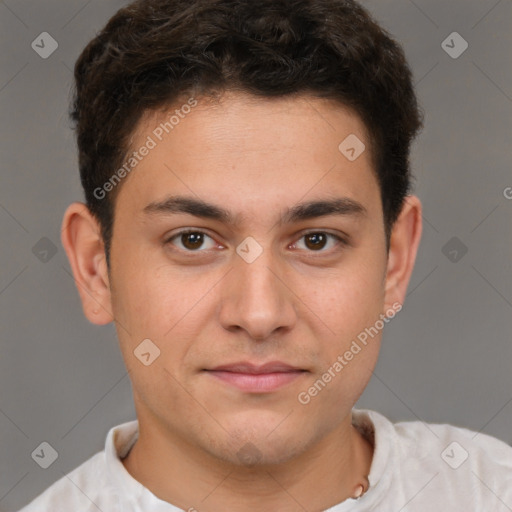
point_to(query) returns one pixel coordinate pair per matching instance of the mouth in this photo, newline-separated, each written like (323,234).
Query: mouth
(252,378)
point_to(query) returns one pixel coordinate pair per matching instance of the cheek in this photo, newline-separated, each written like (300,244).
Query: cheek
(349,354)
(134,302)
(163,303)
(349,301)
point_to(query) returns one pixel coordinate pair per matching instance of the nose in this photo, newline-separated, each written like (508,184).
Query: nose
(257,298)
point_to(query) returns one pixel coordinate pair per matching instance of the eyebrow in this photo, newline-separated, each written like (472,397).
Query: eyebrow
(343,206)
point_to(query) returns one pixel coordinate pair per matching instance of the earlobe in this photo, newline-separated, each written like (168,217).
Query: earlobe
(82,241)
(404,243)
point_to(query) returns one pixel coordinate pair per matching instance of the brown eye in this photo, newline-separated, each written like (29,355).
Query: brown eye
(192,241)
(316,241)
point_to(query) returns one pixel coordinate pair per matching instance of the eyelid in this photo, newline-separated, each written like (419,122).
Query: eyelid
(186,231)
(342,241)
(342,237)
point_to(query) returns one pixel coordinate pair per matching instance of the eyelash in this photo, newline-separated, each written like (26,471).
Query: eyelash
(341,242)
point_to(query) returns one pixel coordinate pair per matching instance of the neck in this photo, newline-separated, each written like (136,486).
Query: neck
(189,478)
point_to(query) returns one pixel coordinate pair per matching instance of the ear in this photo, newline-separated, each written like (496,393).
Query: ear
(82,241)
(404,243)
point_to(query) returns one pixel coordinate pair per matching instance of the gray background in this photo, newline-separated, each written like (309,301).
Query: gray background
(446,358)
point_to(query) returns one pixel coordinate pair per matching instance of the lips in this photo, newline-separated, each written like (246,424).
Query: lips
(250,368)
(254,378)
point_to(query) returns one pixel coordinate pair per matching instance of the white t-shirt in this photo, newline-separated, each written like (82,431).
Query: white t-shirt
(416,467)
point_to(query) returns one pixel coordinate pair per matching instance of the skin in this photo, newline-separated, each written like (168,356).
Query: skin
(297,303)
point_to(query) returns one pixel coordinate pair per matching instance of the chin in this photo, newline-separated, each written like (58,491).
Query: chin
(258,456)
(261,445)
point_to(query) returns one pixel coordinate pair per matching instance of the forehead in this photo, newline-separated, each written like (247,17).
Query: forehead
(234,113)
(251,150)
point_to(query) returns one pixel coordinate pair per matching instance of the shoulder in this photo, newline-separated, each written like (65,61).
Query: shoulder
(97,484)
(448,463)
(476,464)
(458,446)
(81,490)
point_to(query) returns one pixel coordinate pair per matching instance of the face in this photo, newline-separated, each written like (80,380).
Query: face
(261,275)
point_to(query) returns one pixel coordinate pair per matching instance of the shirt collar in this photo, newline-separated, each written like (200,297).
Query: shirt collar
(381,433)
(374,426)
(133,496)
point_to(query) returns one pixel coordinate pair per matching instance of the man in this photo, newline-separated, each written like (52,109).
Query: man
(248,227)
